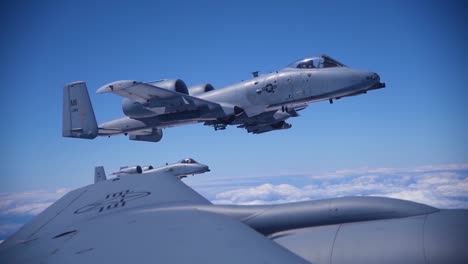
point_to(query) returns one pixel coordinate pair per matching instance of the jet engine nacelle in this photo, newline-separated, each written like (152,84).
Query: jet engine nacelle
(129,170)
(201,88)
(173,85)
(155,136)
(147,168)
(136,110)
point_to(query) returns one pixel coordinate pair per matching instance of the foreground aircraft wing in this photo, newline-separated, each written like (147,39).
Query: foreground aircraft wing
(156,98)
(144,218)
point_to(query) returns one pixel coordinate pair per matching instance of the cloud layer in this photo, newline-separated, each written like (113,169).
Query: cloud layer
(28,203)
(443,186)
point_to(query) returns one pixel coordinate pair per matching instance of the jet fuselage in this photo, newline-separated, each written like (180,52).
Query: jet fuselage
(278,91)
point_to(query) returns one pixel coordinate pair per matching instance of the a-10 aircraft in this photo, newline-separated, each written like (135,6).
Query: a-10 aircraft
(259,105)
(153,217)
(180,169)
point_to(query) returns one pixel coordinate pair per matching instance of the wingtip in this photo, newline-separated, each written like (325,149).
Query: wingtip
(114,86)
(103,89)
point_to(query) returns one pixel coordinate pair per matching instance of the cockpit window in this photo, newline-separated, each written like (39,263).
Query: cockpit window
(320,62)
(188,161)
(307,64)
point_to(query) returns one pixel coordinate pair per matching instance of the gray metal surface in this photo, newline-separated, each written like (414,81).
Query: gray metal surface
(438,237)
(166,236)
(446,237)
(259,105)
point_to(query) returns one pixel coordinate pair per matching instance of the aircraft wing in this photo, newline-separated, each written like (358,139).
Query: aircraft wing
(144,218)
(154,98)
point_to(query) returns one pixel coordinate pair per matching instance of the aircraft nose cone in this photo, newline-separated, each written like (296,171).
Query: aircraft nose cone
(374,79)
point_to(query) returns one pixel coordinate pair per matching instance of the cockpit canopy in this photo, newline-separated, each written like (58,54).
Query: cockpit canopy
(188,161)
(320,62)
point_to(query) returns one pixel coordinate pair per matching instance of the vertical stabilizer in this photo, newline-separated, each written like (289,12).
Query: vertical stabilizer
(99,174)
(78,115)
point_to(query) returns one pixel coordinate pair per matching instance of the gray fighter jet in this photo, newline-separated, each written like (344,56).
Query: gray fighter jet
(180,169)
(259,105)
(154,217)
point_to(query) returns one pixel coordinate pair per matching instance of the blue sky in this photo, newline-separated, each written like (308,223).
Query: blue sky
(417,47)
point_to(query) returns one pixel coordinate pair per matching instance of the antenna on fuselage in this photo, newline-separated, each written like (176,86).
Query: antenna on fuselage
(255,74)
